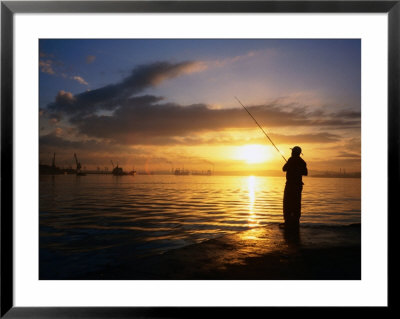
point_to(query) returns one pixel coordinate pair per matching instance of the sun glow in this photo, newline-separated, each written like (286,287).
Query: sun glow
(253,154)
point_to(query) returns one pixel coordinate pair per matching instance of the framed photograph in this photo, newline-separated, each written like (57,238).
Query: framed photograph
(175,158)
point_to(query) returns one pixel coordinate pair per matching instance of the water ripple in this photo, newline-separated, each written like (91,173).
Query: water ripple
(167,211)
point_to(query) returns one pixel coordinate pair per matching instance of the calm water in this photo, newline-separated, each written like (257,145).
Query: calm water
(100,217)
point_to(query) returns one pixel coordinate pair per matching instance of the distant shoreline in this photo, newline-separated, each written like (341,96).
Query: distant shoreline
(90,172)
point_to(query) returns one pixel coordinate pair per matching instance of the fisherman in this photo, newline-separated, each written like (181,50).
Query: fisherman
(295,168)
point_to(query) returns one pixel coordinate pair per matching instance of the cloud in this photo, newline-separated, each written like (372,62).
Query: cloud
(46,66)
(90,59)
(265,53)
(347,114)
(48,63)
(223,62)
(54,120)
(59,131)
(80,80)
(348,155)
(110,96)
(65,98)
(146,120)
(45,55)
(323,137)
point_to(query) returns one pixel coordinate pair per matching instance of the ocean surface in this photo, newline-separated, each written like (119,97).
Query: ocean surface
(87,222)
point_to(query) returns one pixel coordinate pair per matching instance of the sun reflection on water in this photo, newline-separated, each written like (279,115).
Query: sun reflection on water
(251,184)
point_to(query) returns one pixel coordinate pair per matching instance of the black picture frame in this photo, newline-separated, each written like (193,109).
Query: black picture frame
(9,8)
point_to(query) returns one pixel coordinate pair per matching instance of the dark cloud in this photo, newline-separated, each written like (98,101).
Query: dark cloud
(347,114)
(110,96)
(146,120)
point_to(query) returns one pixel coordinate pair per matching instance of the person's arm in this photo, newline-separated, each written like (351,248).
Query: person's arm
(285,167)
(305,171)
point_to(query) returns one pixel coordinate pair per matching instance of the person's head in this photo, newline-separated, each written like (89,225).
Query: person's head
(296,151)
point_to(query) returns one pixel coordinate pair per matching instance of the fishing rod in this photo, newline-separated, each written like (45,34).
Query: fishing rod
(261,128)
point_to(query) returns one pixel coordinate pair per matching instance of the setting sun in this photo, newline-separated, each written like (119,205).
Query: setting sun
(253,154)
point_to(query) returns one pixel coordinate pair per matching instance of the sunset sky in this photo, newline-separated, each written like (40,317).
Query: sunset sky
(160,104)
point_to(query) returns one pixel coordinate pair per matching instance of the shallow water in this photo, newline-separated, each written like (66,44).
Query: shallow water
(101,217)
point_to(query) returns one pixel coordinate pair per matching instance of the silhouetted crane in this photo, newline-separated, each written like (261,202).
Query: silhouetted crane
(78,166)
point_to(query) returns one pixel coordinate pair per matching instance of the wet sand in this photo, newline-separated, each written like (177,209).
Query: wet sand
(263,253)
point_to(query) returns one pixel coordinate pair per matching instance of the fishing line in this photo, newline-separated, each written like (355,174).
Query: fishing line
(261,128)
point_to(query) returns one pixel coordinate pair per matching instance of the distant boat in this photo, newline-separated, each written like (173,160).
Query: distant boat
(133,172)
(118,171)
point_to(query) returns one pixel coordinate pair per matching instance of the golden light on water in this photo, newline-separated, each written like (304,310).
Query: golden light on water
(251,183)
(253,153)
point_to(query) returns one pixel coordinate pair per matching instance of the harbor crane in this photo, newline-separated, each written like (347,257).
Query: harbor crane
(78,166)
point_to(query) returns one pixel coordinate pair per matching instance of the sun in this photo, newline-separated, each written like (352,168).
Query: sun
(253,154)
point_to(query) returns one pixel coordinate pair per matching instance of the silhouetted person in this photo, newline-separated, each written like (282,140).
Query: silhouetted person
(295,168)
